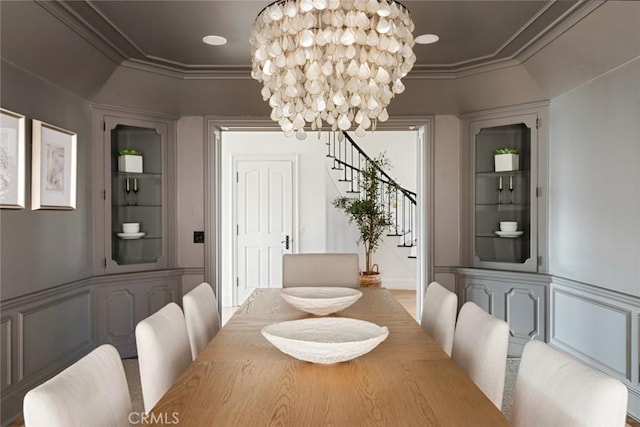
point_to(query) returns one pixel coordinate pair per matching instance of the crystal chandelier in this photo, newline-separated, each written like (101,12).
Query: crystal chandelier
(338,62)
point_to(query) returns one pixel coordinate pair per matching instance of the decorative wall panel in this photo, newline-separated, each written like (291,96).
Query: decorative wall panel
(600,328)
(54,331)
(517,298)
(523,301)
(6,349)
(480,295)
(44,332)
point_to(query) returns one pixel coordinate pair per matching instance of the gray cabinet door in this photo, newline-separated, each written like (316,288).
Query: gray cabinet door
(124,300)
(519,299)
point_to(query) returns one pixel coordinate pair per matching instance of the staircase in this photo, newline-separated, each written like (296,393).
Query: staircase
(400,203)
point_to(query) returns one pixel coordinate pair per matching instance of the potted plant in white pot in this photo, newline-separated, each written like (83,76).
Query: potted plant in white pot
(506,159)
(129,161)
(369,215)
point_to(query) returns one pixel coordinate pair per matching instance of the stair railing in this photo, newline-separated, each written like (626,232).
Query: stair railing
(399,202)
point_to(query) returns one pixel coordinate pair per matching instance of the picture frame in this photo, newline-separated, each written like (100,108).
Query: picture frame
(12,160)
(53,167)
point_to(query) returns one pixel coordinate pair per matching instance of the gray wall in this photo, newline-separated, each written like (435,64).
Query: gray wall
(44,248)
(594,194)
(446,199)
(190,199)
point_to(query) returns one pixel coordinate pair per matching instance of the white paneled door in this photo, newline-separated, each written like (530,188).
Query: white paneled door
(264,223)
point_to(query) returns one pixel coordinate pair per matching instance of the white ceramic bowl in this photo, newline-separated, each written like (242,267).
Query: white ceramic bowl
(325,339)
(131,227)
(508,226)
(320,300)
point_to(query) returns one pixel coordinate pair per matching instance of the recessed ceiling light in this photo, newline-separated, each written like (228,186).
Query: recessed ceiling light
(427,39)
(214,40)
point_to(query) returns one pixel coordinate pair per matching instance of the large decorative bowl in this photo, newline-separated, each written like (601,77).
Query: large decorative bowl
(320,300)
(325,339)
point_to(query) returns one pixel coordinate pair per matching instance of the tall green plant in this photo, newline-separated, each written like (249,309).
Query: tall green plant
(368,212)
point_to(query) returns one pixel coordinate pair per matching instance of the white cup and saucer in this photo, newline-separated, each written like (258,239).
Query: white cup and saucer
(131,230)
(509,229)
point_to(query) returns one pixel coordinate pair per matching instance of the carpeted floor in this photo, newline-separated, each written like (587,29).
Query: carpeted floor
(132,371)
(509,385)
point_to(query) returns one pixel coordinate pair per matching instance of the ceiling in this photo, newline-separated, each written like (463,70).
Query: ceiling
(169,34)
(148,55)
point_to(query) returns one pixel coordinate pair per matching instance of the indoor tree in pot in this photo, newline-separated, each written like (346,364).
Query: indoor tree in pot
(369,215)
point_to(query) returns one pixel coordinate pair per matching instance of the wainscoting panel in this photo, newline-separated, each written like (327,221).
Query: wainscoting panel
(445,278)
(519,301)
(599,327)
(6,377)
(42,334)
(159,296)
(192,277)
(593,329)
(123,300)
(54,331)
(480,294)
(119,308)
(517,298)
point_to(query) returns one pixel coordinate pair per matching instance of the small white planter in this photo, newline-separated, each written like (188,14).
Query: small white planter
(130,163)
(507,162)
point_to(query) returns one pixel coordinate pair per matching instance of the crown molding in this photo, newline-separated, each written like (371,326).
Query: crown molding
(144,114)
(82,28)
(157,65)
(565,22)
(516,109)
(220,73)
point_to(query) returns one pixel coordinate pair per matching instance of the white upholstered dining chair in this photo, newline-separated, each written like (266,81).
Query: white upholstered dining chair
(553,389)
(91,392)
(163,352)
(201,315)
(322,269)
(480,344)
(439,315)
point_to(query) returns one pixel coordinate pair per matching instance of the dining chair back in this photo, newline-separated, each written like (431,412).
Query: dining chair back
(163,352)
(439,315)
(321,269)
(201,315)
(91,392)
(480,344)
(554,389)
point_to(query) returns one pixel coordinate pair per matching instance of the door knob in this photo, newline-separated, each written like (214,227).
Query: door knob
(286,242)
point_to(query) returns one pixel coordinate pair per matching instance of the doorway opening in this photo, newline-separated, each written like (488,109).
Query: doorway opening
(317,226)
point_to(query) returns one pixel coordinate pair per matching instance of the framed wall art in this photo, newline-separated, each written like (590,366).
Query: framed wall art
(12,160)
(53,167)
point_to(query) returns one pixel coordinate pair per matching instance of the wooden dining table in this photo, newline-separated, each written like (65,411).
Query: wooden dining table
(240,379)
